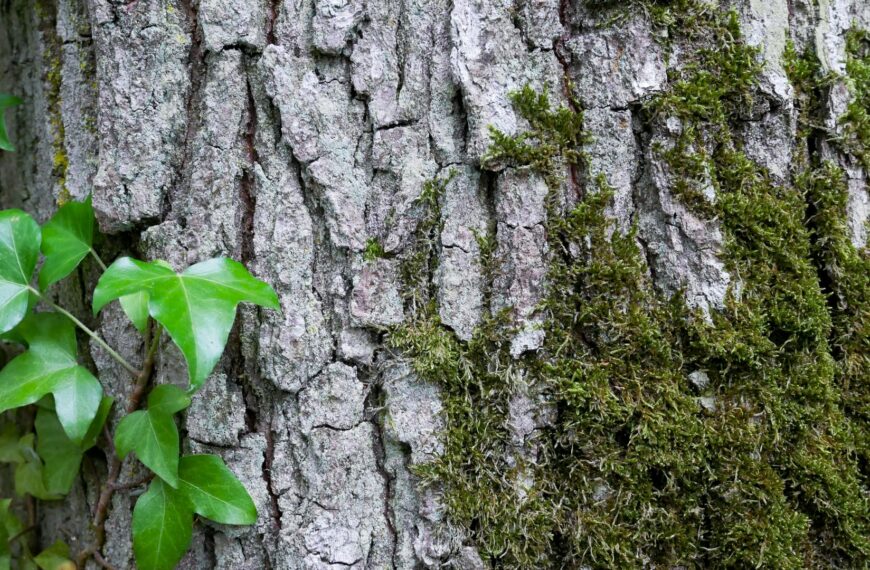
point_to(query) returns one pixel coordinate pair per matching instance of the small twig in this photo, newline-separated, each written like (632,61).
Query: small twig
(130,368)
(133,484)
(83,557)
(27,530)
(102,561)
(110,442)
(145,375)
(98,260)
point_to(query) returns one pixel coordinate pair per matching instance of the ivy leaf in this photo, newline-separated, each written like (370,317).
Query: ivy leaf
(162,527)
(29,478)
(136,308)
(214,491)
(96,427)
(154,437)
(168,399)
(55,557)
(10,525)
(50,367)
(6,101)
(61,456)
(5,552)
(66,239)
(196,307)
(9,452)
(19,251)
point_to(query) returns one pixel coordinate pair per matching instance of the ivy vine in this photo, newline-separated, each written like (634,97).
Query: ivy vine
(195,308)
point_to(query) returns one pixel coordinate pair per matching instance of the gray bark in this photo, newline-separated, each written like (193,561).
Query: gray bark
(285,134)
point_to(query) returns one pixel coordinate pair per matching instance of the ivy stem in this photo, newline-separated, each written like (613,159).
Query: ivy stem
(24,532)
(147,366)
(98,260)
(134,400)
(130,368)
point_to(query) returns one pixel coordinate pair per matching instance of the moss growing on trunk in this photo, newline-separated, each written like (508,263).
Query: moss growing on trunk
(760,459)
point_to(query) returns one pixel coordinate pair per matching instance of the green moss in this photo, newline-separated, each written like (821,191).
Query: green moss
(554,135)
(856,120)
(418,264)
(373,250)
(634,471)
(846,271)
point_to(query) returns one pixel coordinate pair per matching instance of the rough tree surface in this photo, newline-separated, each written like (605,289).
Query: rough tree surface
(297,136)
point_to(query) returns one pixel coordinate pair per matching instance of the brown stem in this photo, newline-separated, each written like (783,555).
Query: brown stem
(24,532)
(102,561)
(133,484)
(101,511)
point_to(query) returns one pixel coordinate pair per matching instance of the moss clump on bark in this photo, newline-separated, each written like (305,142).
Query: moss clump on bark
(418,264)
(754,462)
(856,120)
(373,250)
(844,269)
(846,272)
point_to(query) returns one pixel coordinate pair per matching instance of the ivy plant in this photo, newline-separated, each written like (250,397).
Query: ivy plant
(50,387)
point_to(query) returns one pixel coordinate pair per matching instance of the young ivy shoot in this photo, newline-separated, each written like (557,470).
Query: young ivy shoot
(195,308)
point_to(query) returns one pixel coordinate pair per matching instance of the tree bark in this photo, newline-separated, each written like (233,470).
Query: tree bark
(289,134)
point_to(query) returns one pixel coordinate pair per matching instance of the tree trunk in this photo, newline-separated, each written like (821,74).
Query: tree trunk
(297,136)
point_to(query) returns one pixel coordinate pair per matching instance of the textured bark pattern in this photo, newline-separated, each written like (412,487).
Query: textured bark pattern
(286,134)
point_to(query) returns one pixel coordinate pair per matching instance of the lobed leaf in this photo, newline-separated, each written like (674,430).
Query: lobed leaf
(135,306)
(50,367)
(62,457)
(19,251)
(29,474)
(214,491)
(55,557)
(10,525)
(162,527)
(9,452)
(96,426)
(152,434)
(154,437)
(67,238)
(168,399)
(196,307)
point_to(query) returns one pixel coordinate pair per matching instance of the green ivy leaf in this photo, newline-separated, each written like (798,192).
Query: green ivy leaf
(5,535)
(214,491)
(19,251)
(6,101)
(66,239)
(162,527)
(62,457)
(154,438)
(136,308)
(96,427)
(10,525)
(152,434)
(9,437)
(55,557)
(50,367)
(168,399)
(29,475)
(197,307)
